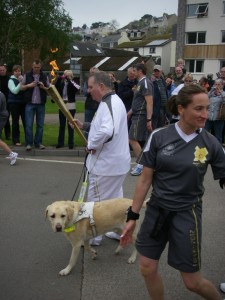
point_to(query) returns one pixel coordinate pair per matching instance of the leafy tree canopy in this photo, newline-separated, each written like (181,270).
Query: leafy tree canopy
(146,17)
(98,24)
(33,24)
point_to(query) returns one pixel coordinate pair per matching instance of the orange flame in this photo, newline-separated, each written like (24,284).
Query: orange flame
(54,50)
(54,68)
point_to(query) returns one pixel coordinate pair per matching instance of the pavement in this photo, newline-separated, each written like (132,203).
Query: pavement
(32,255)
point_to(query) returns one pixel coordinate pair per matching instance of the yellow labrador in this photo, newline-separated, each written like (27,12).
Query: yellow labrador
(109,215)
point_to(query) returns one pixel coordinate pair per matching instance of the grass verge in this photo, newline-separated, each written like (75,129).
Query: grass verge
(51,131)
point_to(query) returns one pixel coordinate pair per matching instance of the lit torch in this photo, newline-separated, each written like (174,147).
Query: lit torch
(53,93)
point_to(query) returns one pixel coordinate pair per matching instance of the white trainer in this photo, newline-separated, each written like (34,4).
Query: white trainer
(137,170)
(13,157)
(113,235)
(222,287)
(96,241)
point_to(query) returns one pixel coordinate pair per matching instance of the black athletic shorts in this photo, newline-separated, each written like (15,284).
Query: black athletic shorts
(182,231)
(138,129)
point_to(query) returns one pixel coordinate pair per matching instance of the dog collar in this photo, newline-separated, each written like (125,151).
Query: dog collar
(70,229)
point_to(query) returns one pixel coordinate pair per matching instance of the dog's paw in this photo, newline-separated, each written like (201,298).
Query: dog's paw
(94,255)
(131,260)
(118,250)
(133,257)
(65,271)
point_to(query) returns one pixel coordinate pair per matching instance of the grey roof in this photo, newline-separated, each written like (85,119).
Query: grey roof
(85,49)
(110,38)
(89,55)
(158,42)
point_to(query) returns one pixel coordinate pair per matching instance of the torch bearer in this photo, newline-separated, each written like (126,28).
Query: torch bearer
(52,91)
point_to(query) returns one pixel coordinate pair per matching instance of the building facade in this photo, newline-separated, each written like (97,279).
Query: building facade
(201,36)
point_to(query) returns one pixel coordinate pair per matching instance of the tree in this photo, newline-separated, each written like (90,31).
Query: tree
(96,25)
(33,24)
(114,24)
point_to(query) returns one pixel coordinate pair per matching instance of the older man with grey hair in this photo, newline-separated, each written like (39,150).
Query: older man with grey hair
(108,160)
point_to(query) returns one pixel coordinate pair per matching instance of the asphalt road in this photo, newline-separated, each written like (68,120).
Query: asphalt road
(31,255)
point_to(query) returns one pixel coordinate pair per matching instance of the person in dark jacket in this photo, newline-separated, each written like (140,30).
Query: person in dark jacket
(91,105)
(126,91)
(67,88)
(160,116)
(16,103)
(114,82)
(4,78)
(35,84)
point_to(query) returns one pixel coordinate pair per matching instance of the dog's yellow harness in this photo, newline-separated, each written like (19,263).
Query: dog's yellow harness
(86,211)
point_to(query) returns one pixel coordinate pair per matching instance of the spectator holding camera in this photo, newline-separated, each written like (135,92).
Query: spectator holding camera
(67,89)
(35,83)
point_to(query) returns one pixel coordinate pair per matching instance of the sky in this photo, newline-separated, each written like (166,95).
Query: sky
(123,11)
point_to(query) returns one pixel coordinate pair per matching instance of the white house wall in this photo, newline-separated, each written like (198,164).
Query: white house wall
(212,25)
(165,60)
(173,54)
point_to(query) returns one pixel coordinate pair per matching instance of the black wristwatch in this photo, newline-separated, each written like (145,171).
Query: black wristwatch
(148,120)
(132,215)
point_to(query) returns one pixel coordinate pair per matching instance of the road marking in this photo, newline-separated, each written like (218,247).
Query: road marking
(51,160)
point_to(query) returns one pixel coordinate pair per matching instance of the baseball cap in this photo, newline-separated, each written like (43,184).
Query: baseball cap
(157,67)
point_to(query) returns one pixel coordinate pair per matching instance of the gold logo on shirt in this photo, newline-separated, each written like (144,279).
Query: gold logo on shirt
(200,154)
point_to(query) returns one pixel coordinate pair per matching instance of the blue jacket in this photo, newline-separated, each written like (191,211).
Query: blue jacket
(157,97)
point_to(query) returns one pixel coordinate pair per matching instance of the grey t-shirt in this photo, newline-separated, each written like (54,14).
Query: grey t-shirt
(144,88)
(180,166)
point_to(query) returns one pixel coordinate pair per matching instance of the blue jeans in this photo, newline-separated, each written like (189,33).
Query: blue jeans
(30,111)
(217,126)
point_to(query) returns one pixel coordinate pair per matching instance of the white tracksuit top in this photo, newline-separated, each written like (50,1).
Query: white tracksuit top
(113,157)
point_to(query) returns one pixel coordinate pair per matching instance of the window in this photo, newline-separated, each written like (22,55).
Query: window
(195,66)
(132,34)
(224,7)
(152,50)
(195,37)
(222,64)
(197,10)
(138,34)
(223,36)
(202,9)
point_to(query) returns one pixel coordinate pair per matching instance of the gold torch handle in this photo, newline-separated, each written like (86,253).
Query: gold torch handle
(52,91)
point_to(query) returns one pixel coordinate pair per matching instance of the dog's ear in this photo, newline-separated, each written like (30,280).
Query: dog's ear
(46,213)
(70,213)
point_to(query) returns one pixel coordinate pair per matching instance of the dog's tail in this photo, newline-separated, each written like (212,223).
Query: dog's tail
(145,203)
